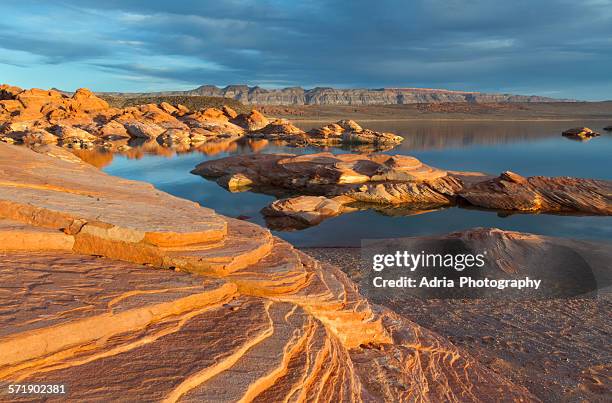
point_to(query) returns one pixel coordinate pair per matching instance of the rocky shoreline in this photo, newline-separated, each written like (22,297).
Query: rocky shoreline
(332,184)
(84,120)
(108,281)
(279,300)
(545,345)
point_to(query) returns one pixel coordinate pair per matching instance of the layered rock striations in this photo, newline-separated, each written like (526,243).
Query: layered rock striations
(384,180)
(336,96)
(260,320)
(548,334)
(513,192)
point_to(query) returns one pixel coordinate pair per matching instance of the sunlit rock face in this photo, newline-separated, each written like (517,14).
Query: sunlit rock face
(334,174)
(343,132)
(513,192)
(85,121)
(371,181)
(113,280)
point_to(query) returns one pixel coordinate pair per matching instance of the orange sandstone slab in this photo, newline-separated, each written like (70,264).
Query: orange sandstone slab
(75,197)
(110,330)
(18,236)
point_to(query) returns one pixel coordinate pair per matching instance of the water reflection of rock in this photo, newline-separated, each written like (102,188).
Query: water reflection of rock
(422,135)
(301,212)
(138,148)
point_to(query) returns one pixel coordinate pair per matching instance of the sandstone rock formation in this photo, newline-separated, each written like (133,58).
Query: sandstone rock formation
(349,132)
(251,121)
(336,96)
(302,211)
(580,133)
(85,121)
(538,193)
(542,343)
(344,132)
(381,179)
(260,321)
(567,268)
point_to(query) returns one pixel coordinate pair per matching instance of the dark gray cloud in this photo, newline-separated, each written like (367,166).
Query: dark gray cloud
(554,47)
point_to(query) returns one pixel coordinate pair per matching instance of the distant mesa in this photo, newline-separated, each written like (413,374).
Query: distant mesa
(345,96)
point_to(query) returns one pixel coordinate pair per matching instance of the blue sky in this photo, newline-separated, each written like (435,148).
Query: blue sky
(555,48)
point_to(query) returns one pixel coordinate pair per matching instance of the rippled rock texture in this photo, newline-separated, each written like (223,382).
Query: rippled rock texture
(549,345)
(195,306)
(541,194)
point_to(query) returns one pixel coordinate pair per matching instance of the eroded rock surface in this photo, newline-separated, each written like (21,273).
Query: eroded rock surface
(85,121)
(260,320)
(513,192)
(343,132)
(525,339)
(372,178)
(349,132)
(302,211)
(384,180)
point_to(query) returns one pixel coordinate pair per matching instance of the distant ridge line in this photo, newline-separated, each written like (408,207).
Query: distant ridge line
(339,96)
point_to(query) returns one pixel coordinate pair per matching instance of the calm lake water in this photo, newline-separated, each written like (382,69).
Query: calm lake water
(528,148)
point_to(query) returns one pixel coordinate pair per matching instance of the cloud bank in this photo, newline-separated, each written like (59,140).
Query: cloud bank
(548,47)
